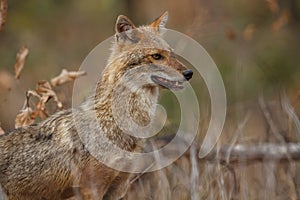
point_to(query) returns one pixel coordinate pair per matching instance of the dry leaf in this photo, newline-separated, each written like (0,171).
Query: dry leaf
(273,5)
(230,34)
(248,32)
(30,93)
(21,57)
(24,118)
(6,80)
(1,130)
(44,89)
(40,108)
(3,11)
(44,93)
(66,76)
(282,20)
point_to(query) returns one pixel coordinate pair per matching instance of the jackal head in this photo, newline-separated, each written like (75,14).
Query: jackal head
(141,57)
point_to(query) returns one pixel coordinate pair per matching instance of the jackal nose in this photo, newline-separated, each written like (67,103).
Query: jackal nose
(187,74)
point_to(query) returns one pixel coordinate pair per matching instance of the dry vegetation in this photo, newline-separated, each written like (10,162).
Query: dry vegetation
(257,156)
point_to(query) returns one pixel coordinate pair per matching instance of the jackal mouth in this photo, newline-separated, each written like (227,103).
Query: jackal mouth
(167,83)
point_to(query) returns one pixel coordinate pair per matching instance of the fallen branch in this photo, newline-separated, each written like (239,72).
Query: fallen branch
(255,152)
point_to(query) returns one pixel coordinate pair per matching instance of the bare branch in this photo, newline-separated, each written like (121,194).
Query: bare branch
(255,152)
(66,76)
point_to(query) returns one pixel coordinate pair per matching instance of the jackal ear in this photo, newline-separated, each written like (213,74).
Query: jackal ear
(160,22)
(124,24)
(123,28)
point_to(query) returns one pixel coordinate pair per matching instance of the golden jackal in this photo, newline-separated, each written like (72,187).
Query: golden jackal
(46,160)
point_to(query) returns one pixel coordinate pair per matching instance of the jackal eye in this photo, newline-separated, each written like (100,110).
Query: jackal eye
(157,56)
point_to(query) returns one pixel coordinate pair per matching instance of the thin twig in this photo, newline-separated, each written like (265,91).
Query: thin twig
(135,179)
(269,119)
(238,132)
(288,108)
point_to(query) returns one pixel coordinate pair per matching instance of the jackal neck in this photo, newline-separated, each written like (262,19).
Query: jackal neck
(120,107)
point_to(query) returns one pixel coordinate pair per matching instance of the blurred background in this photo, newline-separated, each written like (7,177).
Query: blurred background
(255,44)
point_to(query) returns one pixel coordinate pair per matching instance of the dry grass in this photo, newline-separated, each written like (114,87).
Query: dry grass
(232,174)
